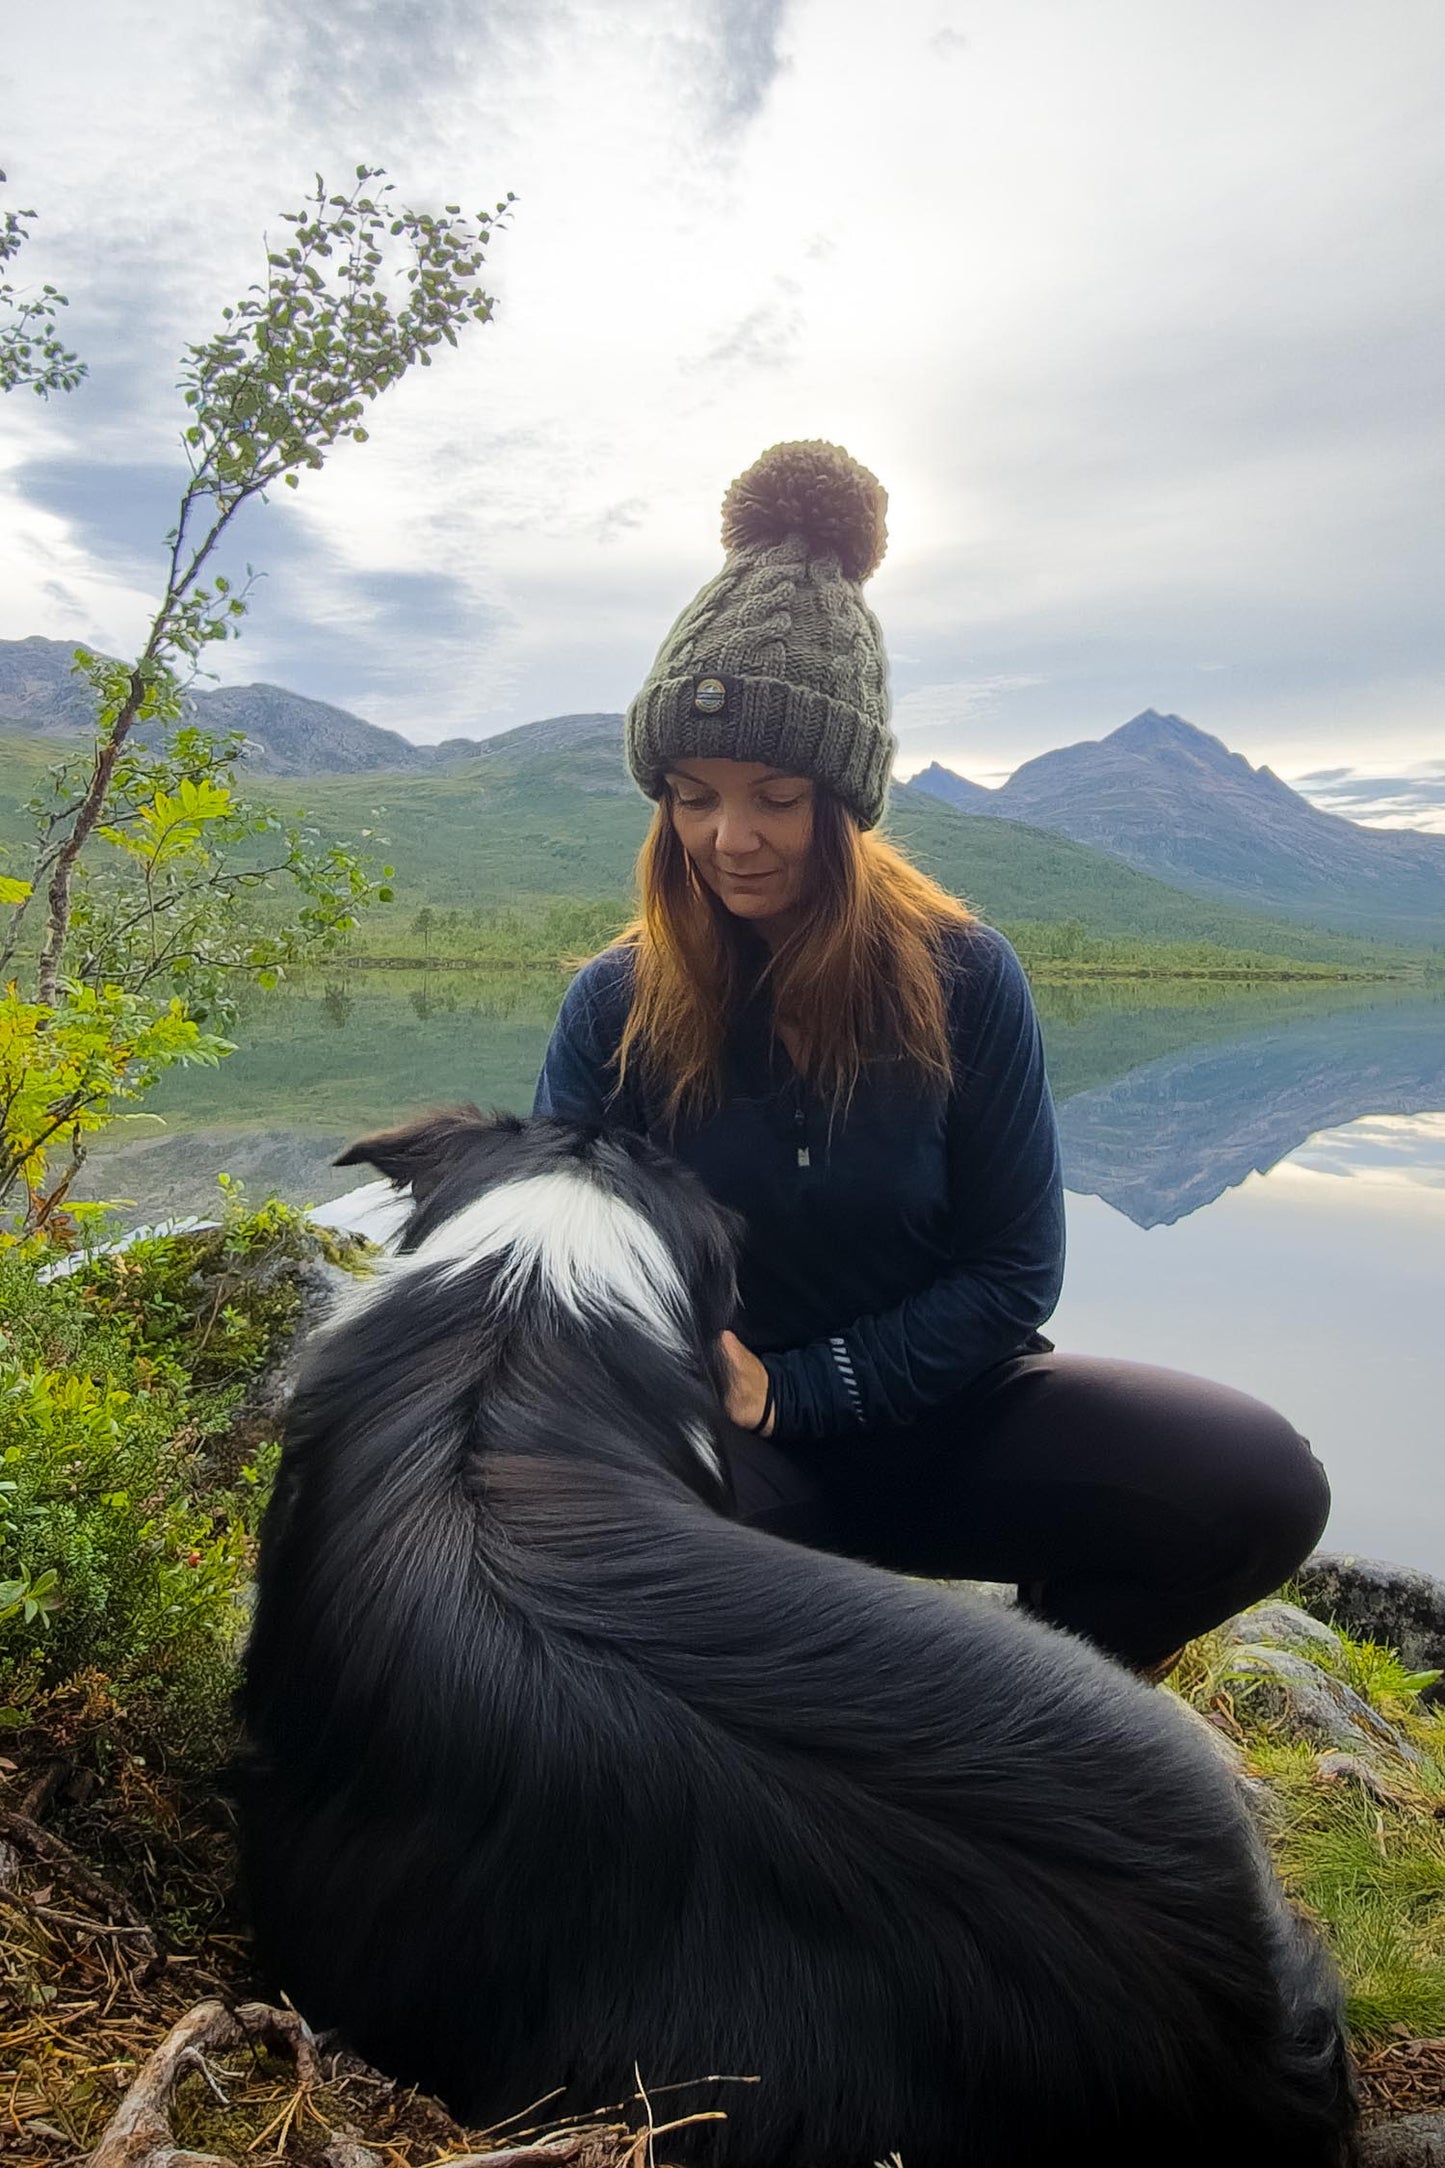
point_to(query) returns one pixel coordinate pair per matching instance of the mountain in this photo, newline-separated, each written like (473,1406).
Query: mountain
(1170,800)
(286,734)
(547,810)
(39,692)
(954,790)
(1157,796)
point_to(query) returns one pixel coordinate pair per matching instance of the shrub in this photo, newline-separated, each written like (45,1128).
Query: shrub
(129,1505)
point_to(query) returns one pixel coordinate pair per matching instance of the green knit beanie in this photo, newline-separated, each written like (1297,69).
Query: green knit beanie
(779,659)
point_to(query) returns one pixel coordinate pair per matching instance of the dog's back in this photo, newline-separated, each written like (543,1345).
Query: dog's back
(558,1775)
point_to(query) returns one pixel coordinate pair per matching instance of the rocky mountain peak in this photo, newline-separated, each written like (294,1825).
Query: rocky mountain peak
(1151,732)
(956,790)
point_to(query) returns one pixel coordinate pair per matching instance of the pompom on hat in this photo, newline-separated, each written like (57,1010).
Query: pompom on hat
(779,659)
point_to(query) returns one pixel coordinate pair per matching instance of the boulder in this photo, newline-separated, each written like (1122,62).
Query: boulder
(1410,2141)
(1284,1626)
(1317,1708)
(1336,1767)
(1294,1659)
(1397,1606)
(260,1414)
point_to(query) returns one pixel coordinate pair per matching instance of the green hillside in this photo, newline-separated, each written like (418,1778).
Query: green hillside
(23,765)
(529,822)
(546,812)
(1009,873)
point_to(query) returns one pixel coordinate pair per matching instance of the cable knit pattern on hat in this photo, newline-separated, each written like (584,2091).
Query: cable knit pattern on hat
(789,656)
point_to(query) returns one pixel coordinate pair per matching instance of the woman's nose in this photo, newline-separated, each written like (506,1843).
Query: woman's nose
(736,834)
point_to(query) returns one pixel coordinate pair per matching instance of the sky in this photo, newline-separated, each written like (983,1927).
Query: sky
(1135,307)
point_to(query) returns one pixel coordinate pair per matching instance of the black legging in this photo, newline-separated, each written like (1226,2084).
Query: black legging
(1135,1506)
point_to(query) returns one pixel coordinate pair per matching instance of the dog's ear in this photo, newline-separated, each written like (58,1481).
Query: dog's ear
(418,1153)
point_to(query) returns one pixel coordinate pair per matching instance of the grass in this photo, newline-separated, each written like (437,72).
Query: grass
(554,933)
(1370,1870)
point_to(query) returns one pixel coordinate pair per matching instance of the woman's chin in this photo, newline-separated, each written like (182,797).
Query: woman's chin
(757,908)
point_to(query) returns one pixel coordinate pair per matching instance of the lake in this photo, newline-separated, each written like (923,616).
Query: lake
(1256,1180)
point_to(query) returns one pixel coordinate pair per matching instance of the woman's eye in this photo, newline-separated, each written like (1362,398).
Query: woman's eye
(781,805)
(689,805)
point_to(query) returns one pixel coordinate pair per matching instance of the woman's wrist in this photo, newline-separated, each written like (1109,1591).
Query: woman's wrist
(750,1396)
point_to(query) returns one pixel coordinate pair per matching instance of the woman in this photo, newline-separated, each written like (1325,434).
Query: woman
(852,1062)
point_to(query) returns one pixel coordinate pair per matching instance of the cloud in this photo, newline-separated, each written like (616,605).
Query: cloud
(748,35)
(120,511)
(619,519)
(397,61)
(353,638)
(950,722)
(768,337)
(1413,800)
(1141,392)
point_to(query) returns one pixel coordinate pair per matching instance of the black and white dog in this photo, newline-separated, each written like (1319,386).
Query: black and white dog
(558,1775)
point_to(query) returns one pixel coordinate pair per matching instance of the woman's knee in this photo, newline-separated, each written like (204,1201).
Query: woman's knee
(1284,1497)
(1259,1491)
(1241,1486)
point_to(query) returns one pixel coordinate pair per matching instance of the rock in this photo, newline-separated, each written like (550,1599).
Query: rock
(1336,1767)
(1397,1606)
(347,2151)
(1411,2141)
(261,1411)
(1283,1626)
(1315,1707)
(1292,1652)
(999,1592)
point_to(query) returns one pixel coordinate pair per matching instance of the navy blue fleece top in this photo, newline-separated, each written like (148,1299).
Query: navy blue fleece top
(892,1252)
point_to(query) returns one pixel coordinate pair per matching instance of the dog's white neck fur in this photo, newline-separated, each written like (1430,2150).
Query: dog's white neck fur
(563,1240)
(569,1241)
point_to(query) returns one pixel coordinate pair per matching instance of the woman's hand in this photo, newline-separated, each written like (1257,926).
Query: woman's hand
(747,1393)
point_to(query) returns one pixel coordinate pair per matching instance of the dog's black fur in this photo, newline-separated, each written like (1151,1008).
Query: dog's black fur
(558,1774)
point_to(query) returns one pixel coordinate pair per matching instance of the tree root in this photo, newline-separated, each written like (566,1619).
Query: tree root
(139,2134)
(28,1836)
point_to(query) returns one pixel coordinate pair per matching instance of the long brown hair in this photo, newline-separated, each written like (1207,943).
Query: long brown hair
(857,982)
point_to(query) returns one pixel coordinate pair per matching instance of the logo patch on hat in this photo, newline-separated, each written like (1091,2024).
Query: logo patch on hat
(710,696)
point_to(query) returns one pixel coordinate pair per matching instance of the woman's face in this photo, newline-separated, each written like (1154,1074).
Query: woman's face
(748,830)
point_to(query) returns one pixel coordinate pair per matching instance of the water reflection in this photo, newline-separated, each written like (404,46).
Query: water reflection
(1312,1127)
(1169,1095)
(1317,1287)
(1162,1140)
(1383,1151)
